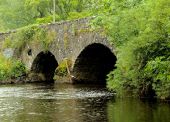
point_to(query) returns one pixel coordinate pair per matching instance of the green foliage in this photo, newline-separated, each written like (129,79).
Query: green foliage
(13,14)
(64,66)
(19,38)
(17,69)
(159,71)
(140,32)
(47,19)
(37,8)
(10,68)
(18,13)
(78,15)
(28,34)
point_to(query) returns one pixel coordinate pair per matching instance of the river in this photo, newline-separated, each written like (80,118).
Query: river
(75,103)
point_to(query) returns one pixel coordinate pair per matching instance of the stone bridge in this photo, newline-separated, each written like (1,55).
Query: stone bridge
(91,54)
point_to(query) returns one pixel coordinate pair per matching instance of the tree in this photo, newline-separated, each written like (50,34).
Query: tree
(140,30)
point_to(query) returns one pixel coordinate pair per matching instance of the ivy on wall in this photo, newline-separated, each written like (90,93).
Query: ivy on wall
(29,34)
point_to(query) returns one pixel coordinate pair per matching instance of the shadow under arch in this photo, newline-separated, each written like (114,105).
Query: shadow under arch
(44,65)
(93,64)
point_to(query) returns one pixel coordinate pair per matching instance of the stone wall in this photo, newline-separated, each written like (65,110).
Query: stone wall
(71,37)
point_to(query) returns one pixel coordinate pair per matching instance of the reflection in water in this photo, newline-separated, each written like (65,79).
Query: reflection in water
(68,103)
(135,110)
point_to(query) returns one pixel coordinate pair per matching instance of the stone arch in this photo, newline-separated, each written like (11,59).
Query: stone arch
(93,64)
(43,66)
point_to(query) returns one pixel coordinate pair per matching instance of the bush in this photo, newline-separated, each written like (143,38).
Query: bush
(78,15)
(17,69)
(158,71)
(64,66)
(47,19)
(140,31)
(10,68)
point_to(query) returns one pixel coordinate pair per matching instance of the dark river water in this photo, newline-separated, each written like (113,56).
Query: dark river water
(75,103)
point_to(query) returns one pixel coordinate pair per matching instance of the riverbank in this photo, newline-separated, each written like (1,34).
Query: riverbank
(36,79)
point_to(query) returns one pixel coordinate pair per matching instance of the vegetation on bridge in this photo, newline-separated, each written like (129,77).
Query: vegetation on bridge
(28,34)
(139,29)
